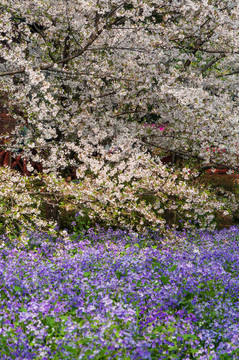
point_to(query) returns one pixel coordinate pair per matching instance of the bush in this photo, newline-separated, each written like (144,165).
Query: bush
(151,196)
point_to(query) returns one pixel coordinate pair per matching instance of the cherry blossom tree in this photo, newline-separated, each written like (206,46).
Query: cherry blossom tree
(85,76)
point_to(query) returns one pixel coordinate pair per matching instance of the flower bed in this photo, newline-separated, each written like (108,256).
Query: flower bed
(120,295)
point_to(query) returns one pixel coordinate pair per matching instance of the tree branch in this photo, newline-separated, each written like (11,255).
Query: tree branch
(228,74)
(187,155)
(210,51)
(212,62)
(91,39)
(12,72)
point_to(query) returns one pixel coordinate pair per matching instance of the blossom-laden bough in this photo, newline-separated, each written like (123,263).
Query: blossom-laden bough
(132,200)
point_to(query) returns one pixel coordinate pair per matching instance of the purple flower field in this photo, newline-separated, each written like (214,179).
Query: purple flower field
(120,295)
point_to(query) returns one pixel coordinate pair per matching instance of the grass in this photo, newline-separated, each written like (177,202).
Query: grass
(111,294)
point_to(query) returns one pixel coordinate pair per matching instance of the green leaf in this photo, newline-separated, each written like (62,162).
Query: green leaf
(164,279)
(139,283)
(89,352)
(64,318)
(171,348)
(118,274)
(189,336)
(23,309)
(158,329)
(194,351)
(17,288)
(156,263)
(171,329)
(70,349)
(174,267)
(117,334)
(50,321)
(87,274)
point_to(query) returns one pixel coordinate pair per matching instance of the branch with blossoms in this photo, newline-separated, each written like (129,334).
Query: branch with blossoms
(185,155)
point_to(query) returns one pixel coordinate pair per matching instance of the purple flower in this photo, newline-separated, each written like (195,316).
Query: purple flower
(105,293)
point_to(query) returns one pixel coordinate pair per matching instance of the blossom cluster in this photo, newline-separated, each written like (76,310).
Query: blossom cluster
(118,294)
(138,198)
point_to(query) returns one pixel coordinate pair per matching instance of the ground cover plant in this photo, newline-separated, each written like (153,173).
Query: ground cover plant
(120,295)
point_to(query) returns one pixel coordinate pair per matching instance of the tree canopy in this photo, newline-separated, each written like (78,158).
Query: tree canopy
(87,76)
